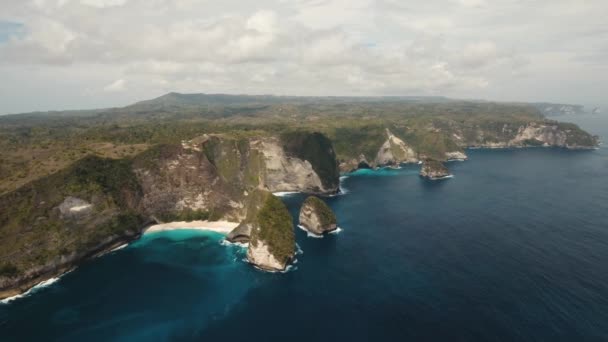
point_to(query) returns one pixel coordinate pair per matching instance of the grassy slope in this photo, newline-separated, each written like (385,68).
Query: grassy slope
(31,212)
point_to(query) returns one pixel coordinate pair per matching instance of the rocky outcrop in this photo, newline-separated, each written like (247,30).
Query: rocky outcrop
(216,173)
(318,150)
(546,134)
(74,208)
(260,255)
(317,217)
(395,151)
(434,170)
(457,155)
(284,173)
(272,242)
(538,134)
(240,234)
(98,202)
(355,164)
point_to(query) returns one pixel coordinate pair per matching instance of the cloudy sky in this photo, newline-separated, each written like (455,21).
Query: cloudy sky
(67,54)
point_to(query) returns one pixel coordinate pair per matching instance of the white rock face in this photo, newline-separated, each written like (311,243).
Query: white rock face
(73,207)
(548,135)
(260,256)
(284,173)
(309,219)
(394,151)
(457,155)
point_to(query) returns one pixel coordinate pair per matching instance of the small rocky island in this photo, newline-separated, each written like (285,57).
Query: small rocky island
(434,170)
(272,244)
(317,217)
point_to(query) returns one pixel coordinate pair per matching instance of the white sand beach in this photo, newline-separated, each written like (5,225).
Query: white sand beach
(222,227)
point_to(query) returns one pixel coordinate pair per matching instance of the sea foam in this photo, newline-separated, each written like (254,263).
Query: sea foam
(227,243)
(285,193)
(31,291)
(336,231)
(309,234)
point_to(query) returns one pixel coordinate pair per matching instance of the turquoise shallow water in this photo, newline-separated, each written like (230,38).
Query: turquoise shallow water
(513,248)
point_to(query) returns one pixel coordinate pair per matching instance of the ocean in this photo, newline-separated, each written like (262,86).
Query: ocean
(513,248)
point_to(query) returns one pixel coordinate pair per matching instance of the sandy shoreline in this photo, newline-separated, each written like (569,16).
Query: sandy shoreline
(222,227)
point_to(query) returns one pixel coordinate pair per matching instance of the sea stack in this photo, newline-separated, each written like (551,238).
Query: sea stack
(317,217)
(272,245)
(434,170)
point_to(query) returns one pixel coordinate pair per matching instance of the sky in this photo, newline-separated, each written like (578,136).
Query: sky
(77,54)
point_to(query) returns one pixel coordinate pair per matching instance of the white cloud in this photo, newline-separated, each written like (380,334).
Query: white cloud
(467,48)
(471,3)
(116,86)
(102,3)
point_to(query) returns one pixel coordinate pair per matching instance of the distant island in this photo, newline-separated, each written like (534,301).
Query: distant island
(76,184)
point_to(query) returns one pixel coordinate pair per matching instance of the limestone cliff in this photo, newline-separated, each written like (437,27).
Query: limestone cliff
(444,141)
(216,174)
(317,217)
(52,224)
(394,151)
(272,244)
(545,133)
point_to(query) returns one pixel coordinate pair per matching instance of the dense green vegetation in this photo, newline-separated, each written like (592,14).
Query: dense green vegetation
(8,269)
(32,211)
(35,145)
(326,215)
(275,228)
(92,155)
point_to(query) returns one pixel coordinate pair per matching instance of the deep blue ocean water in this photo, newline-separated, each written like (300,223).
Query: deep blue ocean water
(513,248)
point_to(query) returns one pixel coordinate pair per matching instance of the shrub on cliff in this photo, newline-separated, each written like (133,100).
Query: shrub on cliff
(274,226)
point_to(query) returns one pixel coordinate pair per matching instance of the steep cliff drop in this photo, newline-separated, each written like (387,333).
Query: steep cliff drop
(97,204)
(317,217)
(434,170)
(272,243)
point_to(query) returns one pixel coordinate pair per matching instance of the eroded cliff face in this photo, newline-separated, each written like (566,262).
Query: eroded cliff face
(272,242)
(259,254)
(434,170)
(547,134)
(216,174)
(284,173)
(444,141)
(395,151)
(51,225)
(175,179)
(316,216)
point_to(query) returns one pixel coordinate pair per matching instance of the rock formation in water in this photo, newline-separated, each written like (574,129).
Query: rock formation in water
(433,170)
(272,241)
(99,203)
(456,155)
(317,217)
(448,141)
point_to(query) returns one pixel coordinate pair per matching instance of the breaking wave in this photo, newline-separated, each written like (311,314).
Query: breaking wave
(33,290)
(309,234)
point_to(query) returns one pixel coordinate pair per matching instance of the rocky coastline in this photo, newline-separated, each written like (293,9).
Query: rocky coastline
(214,177)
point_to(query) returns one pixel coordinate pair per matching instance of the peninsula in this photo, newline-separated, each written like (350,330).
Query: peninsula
(76,184)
